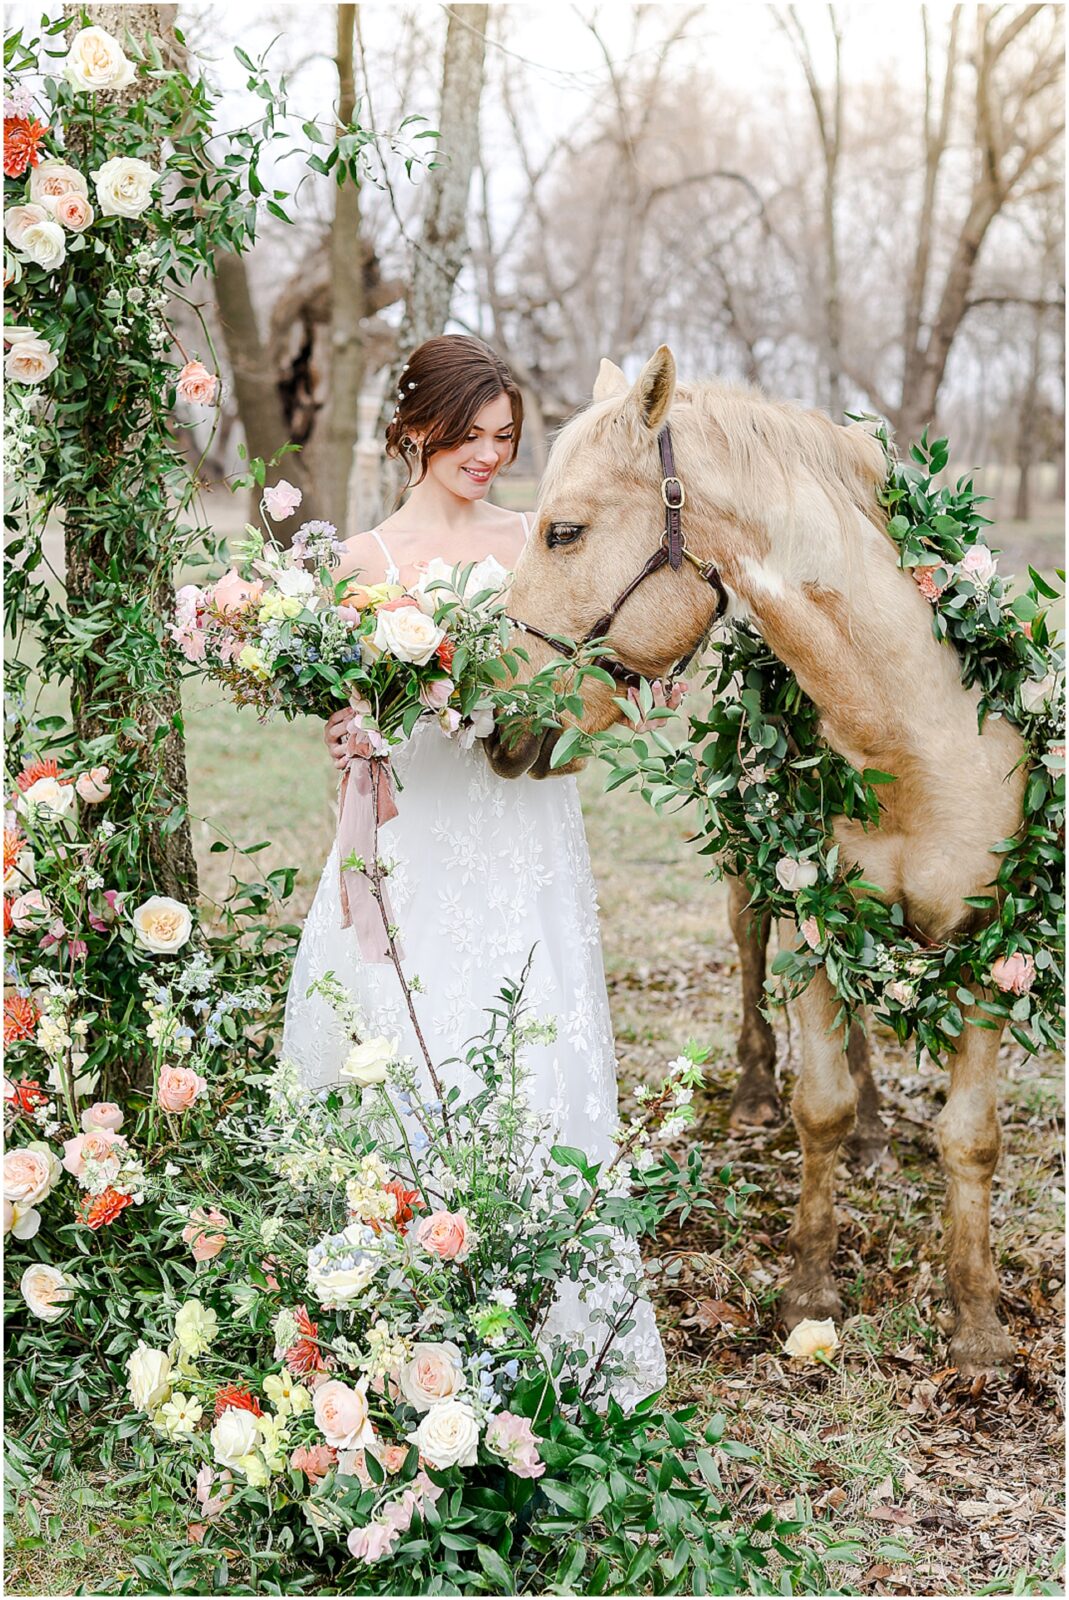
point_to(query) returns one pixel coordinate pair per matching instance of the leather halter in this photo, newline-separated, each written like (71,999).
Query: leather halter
(671,552)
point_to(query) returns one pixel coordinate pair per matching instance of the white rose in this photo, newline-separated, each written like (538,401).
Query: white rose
(901,992)
(23,870)
(48,797)
(50,180)
(96,61)
(487,574)
(436,571)
(448,1436)
(14,332)
(30,361)
(22,1222)
(162,925)
(342,1266)
(809,1337)
(433,1373)
(408,634)
(31,1172)
(234,1436)
(1036,693)
(794,875)
(367,1063)
(17,221)
(46,1291)
(45,244)
(148,1377)
(124,186)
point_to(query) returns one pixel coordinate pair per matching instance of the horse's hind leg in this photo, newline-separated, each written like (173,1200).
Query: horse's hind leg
(868,1143)
(823,1106)
(755,1102)
(969,1142)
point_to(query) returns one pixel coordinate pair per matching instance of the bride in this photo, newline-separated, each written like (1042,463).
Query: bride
(482,869)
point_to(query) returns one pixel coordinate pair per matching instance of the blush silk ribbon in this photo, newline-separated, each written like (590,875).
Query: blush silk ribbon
(366,788)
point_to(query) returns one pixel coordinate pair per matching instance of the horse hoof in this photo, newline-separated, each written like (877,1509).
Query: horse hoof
(810,1300)
(986,1349)
(759,1110)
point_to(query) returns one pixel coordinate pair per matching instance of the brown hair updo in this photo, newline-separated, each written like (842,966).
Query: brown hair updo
(441,391)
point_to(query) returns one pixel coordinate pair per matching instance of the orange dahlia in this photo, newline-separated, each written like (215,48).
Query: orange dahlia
(8,903)
(445,653)
(20,1018)
(231,1394)
(22,138)
(26,1095)
(304,1354)
(403,1199)
(38,767)
(104,1208)
(14,839)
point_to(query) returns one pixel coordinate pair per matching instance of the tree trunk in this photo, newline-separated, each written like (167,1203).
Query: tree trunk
(443,242)
(89,552)
(1026,422)
(337,431)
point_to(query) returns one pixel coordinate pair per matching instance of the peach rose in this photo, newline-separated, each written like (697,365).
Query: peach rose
(93,786)
(232,594)
(205,1244)
(196,384)
(1014,974)
(18,220)
(341,1414)
(445,1234)
(315,1461)
(103,1116)
(434,1372)
(52,180)
(30,1173)
(924,578)
(810,930)
(179,1087)
(73,212)
(29,911)
(100,1144)
(162,925)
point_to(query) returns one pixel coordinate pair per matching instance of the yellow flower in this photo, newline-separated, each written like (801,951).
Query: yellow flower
(280,607)
(252,660)
(278,1389)
(180,1415)
(255,1469)
(195,1327)
(300,1399)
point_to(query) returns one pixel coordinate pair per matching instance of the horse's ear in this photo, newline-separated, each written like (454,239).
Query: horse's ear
(654,389)
(609,381)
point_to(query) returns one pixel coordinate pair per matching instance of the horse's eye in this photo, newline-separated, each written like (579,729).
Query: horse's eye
(564,533)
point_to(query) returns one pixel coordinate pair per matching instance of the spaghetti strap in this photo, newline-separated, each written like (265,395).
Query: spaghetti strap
(526,525)
(393,572)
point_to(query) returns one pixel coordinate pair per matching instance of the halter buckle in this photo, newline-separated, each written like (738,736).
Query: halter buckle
(673,505)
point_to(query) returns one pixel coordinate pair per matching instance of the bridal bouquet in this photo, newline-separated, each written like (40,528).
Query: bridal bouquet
(362,1363)
(280,634)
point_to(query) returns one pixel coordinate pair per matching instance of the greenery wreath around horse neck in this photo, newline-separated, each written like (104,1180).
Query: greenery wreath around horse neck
(766,787)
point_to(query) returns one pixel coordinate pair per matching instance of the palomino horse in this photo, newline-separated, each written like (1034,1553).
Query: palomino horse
(783,524)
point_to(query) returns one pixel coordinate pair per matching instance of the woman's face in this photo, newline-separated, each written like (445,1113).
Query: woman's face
(470,469)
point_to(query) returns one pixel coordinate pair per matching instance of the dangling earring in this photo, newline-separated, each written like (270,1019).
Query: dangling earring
(406,442)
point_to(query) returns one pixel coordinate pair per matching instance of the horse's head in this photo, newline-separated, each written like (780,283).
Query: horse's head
(600,517)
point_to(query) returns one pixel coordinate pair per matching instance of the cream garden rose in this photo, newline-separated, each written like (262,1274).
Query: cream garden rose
(50,180)
(195,1327)
(21,1221)
(46,1291)
(234,1436)
(793,875)
(341,1414)
(47,797)
(1037,694)
(30,361)
(45,244)
(17,220)
(435,1372)
(31,1172)
(124,186)
(448,1436)
(162,925)
(148,1377)
(367,1063)
(408,634)
(97,61)
(810,1338)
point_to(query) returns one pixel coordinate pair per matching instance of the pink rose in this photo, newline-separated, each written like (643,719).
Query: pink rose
(29,911)
(104,1116)
(342,1416)
(435,695)
(810,932)
(315,1460)
(205,1245)
(93,786)
(373,1542)
(232,594)
(73,212)
(1014,974)
(282,500)
(979,564)
(207,1480)
(392,1456)
(924,578)
(511,1438)
(196,384)
(445,1234)
(179,1087)
(102,1145)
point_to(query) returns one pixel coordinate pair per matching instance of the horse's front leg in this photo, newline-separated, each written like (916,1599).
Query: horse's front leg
(755,1103)
(969,1141)
(823,1107)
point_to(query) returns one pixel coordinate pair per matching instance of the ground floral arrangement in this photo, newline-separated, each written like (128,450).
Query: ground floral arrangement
(765,786)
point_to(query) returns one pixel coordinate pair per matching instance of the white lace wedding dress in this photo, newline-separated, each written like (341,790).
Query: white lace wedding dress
(485,868)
